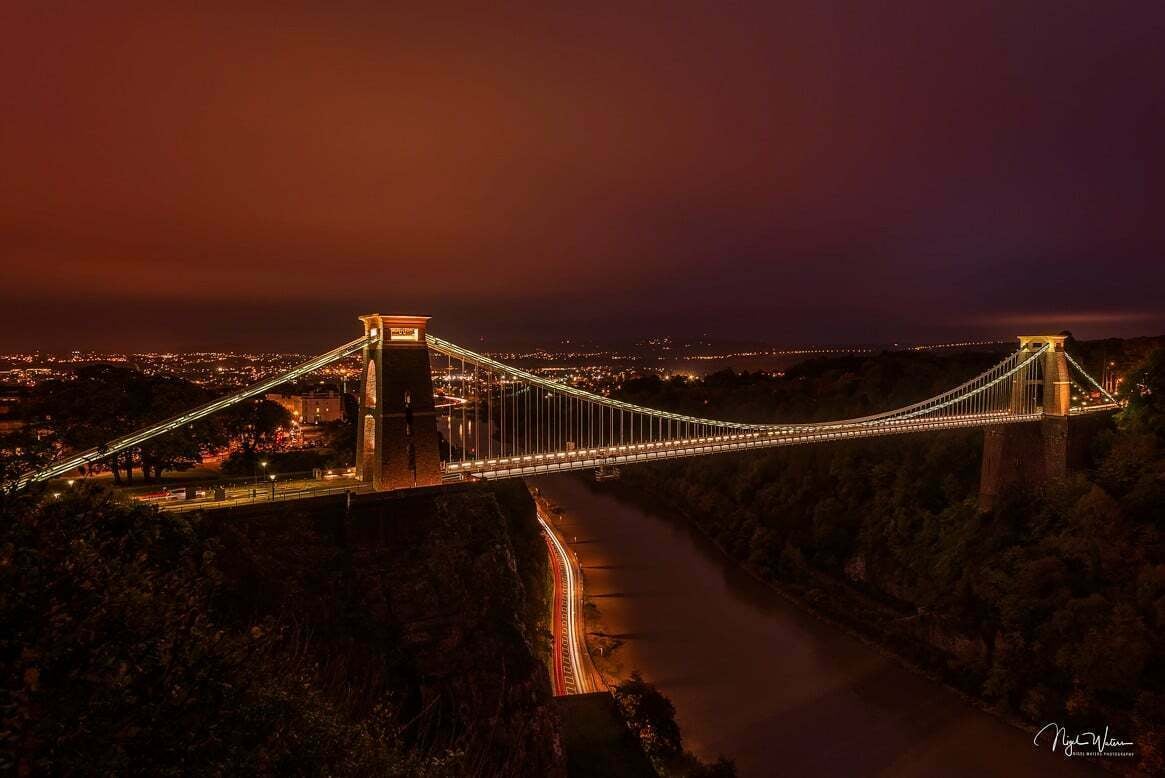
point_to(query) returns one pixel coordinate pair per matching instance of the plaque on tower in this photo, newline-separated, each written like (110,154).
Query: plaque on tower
(404,333)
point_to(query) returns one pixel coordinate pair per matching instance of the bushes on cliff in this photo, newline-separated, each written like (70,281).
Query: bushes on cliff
(297,641)
(114,661)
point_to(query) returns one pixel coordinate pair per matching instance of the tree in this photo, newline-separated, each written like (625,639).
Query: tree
(652,717)
(21,452)
(183,447)
(1144,391)
(103,402)
(90,410)
(340,437)
(255,424)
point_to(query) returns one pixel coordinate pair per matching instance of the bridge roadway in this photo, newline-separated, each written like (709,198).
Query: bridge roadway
(581,459)
(590,458)
(249,494)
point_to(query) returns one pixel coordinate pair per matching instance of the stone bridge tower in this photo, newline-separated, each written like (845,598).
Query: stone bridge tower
(1036,453)
(396,433)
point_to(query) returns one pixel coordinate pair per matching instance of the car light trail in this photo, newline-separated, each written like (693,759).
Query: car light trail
(572,658)
(558,674)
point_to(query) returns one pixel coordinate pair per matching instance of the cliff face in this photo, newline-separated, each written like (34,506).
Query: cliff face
(448,572)
(395,637)
(433,598)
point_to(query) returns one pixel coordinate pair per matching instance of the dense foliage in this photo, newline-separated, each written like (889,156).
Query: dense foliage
(1051,607)
(298,643)
(101,402)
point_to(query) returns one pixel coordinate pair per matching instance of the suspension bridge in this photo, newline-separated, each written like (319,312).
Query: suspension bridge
(494,420)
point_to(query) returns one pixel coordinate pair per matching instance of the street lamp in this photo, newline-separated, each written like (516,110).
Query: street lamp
(272,486)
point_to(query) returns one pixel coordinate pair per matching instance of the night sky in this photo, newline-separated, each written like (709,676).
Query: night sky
(792,172)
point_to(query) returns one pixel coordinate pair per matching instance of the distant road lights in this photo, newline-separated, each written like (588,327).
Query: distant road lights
(70,482)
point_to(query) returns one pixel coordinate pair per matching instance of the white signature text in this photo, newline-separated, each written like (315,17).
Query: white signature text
(1083,743)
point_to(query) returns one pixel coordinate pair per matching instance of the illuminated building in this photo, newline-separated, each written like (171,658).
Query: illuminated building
(314,408)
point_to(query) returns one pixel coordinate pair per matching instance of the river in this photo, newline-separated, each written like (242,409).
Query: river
(758,679)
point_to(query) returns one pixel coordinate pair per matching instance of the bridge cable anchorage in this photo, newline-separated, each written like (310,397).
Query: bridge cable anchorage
(533,424)
(137,437)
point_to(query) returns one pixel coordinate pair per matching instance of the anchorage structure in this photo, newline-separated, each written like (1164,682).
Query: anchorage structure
(497,421)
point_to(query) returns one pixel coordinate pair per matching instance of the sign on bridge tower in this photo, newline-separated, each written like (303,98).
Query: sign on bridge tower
(1013,453)
(396,434)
